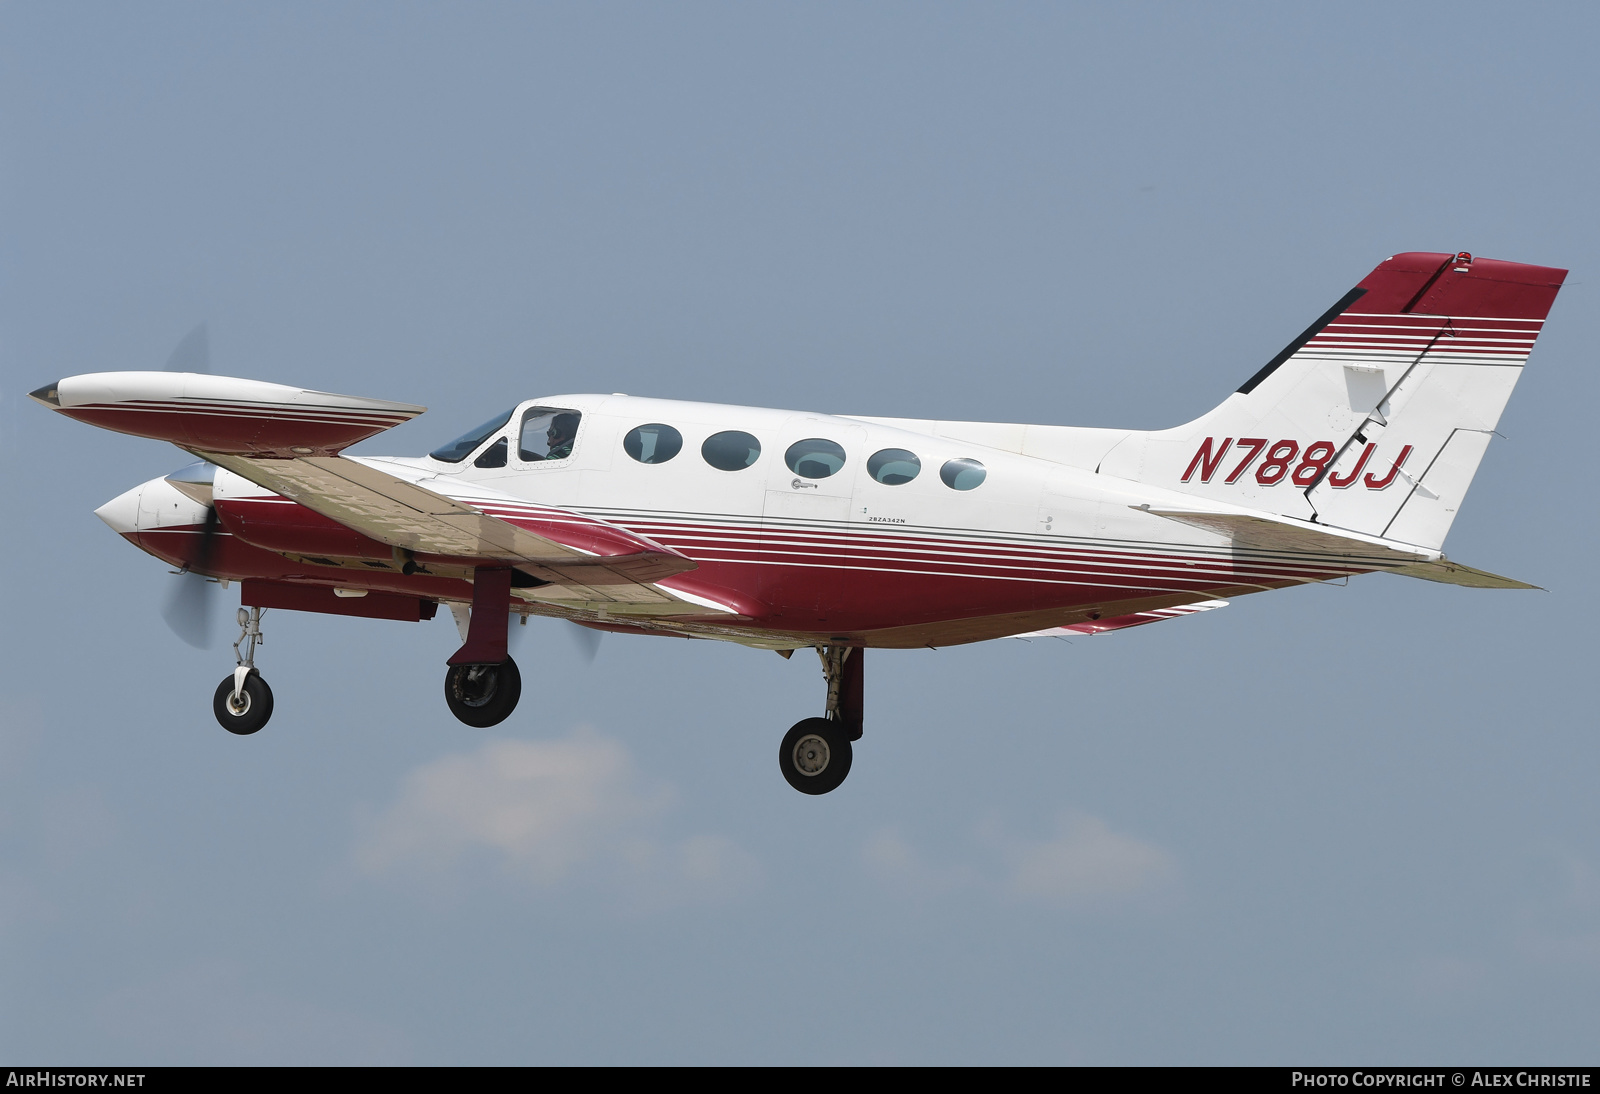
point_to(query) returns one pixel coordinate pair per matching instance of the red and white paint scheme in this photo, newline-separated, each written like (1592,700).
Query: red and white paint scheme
(1348,452)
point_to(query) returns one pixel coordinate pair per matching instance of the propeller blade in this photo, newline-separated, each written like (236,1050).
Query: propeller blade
(587,640)
(188,610)
(208,539)
(193,353)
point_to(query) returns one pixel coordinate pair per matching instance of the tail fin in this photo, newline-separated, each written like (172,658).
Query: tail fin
(1375,418)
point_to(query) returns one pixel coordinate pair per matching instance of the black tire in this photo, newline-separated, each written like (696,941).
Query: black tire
(483,695)
(255,704)
(815,756)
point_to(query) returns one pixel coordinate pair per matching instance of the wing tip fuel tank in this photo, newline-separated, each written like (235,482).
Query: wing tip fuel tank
(223,413)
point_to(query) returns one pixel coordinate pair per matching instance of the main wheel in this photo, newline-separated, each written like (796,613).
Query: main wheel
(483,695)
(250,711)
(815,756)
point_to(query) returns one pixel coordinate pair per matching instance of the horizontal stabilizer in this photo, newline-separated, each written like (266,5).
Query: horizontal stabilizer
(1123,622)
(1300,537)
(1453,573)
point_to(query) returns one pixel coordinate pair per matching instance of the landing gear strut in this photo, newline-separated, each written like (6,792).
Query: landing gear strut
(243,702)
(482,684)
(816,753)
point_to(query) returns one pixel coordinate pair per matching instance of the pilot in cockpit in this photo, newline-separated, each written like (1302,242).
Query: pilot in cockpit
(548,433)
(563,430)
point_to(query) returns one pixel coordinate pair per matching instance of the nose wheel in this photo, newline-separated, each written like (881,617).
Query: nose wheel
(242,709)
(243,702)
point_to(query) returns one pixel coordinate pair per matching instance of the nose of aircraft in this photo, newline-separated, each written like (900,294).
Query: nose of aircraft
(122,511)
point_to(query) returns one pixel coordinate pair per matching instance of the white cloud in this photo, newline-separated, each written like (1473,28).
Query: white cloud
(1085,863)
(549,813)
(887,855)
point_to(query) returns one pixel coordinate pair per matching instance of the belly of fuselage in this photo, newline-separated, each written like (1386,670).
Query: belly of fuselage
(871,583)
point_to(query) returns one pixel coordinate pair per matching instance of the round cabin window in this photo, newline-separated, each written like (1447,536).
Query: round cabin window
(654,443)
(731,450)
(893,466)
(963,474)
(814,458)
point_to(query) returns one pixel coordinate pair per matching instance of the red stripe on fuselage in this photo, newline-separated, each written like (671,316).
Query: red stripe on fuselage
(825,578)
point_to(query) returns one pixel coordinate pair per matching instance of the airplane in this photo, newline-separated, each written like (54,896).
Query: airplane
(1348,452)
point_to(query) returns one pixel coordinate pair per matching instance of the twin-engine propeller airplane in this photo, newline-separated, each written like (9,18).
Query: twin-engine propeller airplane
(1348,452)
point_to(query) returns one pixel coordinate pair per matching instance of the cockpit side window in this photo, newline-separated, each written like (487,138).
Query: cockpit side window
(548,433)
(493,456)
(464,445)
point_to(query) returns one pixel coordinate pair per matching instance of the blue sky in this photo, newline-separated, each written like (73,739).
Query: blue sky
(1332,824)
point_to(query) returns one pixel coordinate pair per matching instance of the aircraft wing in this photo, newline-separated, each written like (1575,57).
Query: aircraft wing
(288,440)
(583,560)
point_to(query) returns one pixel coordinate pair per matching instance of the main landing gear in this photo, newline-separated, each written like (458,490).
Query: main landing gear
(243,702)
(483,695)
(482,684)
(816,753)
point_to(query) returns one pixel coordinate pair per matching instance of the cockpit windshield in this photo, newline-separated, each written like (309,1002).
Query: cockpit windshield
(463,446)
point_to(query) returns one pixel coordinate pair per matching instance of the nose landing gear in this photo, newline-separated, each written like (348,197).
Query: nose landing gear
(816,753)
(243,701)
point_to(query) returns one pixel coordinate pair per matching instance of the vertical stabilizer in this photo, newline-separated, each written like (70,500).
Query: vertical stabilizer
(1375,418)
